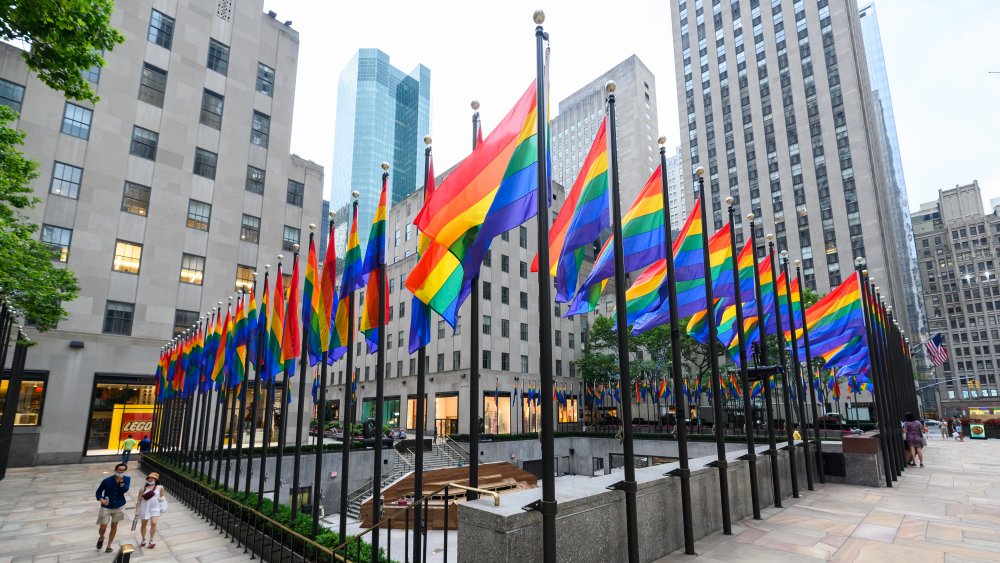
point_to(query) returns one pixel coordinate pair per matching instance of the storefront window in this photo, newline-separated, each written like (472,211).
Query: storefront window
(446,413)
(411,413)
(496,413)
(29,401)
(390,410)
(531,414)
(568,411)
(121,406)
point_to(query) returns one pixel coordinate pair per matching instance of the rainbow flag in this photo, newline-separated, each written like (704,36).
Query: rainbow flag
(581,219)
(782,303)
(229,371)
(767,293)
(373,271)
(239,334)
(218,369)
(291,337)
(274,363)
(720,259)
(260,357)
(457,211)
(312,308)
(836,326)
(350,281)
(642,243)
(420,314)
(834,386)
(251,327)
(327,292)
(689,273)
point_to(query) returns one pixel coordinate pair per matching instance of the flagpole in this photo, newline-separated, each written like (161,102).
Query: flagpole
(895,411)
(231,405)
(751,455)
(379,392)
(800,394)
(809,369)
(207,412)
(547,505)
(220,410)
(241,421)
(713,334)
(475,398)
(345,457)
(627,485)
(884,377)
(300,412)
(317,495)
(876,390)
(418,455)
(283,413)
(265,431)
(772,451)
(786,396)
(188,427)
(256,392)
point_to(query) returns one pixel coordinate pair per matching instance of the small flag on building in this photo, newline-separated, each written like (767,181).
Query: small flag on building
(936,350)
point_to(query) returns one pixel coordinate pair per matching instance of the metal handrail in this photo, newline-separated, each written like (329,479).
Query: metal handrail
(417,503)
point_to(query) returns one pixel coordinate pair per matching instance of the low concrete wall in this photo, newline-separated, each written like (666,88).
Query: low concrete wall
(588,510)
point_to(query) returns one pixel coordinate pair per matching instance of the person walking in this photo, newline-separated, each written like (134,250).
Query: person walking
(127,446)
(145,446)
(958,430)
(149,504)
(111,494)
(944,429)
(914,432)
(951,428)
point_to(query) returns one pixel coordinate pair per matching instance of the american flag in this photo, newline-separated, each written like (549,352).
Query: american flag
(936,350)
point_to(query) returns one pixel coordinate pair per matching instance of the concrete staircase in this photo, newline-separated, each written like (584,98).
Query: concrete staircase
(442,455)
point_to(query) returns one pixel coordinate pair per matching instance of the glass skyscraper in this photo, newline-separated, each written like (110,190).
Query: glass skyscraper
(901,227)
(382,115)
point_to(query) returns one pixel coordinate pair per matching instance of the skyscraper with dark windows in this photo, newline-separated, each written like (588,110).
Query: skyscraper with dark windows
(776,105)
(382,116)
(888,143)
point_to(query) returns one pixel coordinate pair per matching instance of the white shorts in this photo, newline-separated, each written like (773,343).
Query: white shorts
(106,515)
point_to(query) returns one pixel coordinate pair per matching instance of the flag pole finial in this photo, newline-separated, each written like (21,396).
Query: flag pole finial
(267,266)
(797,262)
(730,201)
(662,140)
(295,248)
(700,171)
(611,86)
(751,217)
(281,257)
(384,165)
(312,226)
(356,194)
(428,139)
(538,17)
(475,105)
(784,254)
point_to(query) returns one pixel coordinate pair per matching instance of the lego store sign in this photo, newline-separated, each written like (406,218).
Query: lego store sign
(138,424)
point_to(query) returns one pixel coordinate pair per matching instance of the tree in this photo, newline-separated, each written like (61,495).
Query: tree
(66,38)
(35,286)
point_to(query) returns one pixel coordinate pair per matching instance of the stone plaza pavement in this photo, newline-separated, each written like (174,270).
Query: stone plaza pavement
(48,514)
(948,512)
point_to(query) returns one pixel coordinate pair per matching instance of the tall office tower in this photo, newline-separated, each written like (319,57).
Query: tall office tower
(677,189)
(958,244)
(902,230)
(164,199)
(573,130)
(382,116)
(776,106)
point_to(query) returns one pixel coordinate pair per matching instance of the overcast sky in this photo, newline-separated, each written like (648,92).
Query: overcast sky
(938,55)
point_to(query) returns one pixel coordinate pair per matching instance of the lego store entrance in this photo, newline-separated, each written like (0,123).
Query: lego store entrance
(121,404)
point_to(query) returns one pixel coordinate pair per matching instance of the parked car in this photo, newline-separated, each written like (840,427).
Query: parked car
(931,423)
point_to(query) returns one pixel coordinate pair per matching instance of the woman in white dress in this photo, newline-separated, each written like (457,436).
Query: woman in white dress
(147,507)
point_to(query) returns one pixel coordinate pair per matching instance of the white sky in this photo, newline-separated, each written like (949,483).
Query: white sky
(938,55)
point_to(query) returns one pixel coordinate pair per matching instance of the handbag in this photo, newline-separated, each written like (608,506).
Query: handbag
(135,522)
(923,442)
(164,505)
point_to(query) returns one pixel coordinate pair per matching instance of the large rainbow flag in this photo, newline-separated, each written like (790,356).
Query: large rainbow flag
(420,313)
(489,192)
(350,281)
(581,219)
(374,271)
(642,243)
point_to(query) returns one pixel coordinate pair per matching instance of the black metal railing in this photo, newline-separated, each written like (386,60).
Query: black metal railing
(412,520)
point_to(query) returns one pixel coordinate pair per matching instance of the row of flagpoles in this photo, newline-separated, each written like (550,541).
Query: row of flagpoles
(734,300)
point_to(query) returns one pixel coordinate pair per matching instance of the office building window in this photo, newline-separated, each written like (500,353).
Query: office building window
(260,129)
(118,318)
(192,269)
(504,361)
(504,263)
(505,295)
(58,239)
(524,364)
(255,180)
(161,29)
(524,332)
(440,329)
(265,79)
(524,270)
(487,324)
(250,229)
(440,362)
(128,256)
(11,95)
(559,368)
(152,85)
(505,328)
(205,163)
(296,190)
(183,320)
(456,360)
(93,74)
(487,291)
(244,278)
(144,143)
(289,238)
(66,180)
(76,121)
(135,199)
(522,233)
(199,214)
(211,109)
(487,359)
(218,57)
(524,300)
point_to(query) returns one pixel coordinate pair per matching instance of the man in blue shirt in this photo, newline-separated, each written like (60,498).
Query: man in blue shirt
(145,446)
(111,494)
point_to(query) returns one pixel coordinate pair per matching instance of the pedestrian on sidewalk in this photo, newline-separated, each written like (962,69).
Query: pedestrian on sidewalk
(149,505)
(127,446)
(951,428)
(944,429)
(914,432)
(111,494)
(958,430)
(145,446)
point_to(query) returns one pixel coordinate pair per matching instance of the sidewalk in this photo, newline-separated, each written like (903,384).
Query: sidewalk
(947,511)
(48,514)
